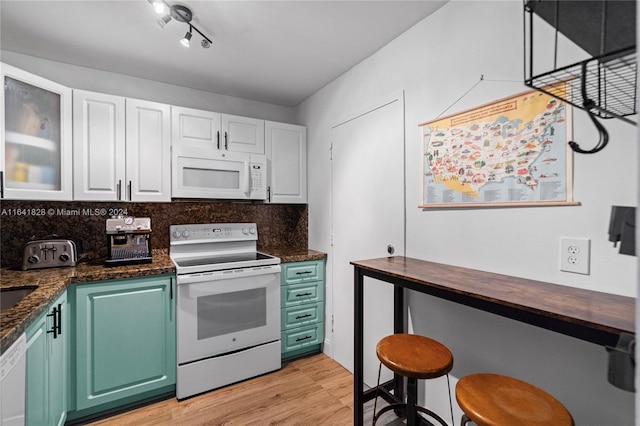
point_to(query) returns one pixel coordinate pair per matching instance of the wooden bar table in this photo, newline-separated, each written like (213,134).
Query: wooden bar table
(592,316)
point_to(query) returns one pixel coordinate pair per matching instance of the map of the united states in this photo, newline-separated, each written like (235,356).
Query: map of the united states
(509,142)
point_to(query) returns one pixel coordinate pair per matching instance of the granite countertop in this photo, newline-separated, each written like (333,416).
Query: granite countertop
(52,282)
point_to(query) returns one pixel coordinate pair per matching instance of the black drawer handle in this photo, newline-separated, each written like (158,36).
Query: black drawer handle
(56,330)
(305,272)
(303,338)
(303,316)
(303,294)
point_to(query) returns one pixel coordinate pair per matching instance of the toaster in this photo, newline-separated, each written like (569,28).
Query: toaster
(48,254)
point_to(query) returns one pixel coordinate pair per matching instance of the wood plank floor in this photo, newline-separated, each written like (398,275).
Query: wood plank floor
(314,390)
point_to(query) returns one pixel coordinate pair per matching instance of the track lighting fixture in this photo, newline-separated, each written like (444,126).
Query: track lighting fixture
(181,14)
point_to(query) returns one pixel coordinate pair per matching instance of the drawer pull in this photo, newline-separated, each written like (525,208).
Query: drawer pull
(303,316)
(304,294)
(305,272)
(303,338)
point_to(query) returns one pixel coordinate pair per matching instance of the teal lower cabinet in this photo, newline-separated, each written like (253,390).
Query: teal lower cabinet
(46,390)
(302,308)
(124,343)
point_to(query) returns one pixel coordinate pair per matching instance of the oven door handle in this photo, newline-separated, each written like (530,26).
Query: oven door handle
(227,275)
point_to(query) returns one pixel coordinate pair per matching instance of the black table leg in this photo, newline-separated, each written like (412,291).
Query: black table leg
(358,323)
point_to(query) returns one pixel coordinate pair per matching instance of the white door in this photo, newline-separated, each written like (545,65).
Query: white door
(286,149)
(148,166)
(98,146)
(368,216)
(195,127)
(242,134)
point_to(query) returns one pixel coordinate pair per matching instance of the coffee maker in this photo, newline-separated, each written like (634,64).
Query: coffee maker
(129,240)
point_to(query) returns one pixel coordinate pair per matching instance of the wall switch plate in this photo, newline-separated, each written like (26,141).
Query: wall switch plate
(575,255)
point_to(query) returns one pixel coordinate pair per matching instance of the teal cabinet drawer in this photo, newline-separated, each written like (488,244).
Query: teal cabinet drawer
(302,315)
(312,270)
(297,294)
(300,337)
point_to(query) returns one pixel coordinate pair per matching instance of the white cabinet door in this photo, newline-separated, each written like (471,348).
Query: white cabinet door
(148,165)
(242,134)
(286,150)
(195,127)
(99,146)
(36,127)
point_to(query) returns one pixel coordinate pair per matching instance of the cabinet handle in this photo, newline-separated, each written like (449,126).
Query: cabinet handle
(303,338)
(218,139)
(57,321)
(304,294)
(171,288)
(303,316)
(1,184)
(226,141)
(129,190)
(119,189)
(268,194)
(304,273)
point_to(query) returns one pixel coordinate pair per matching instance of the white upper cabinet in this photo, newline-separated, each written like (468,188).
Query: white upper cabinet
(242,134)
(286,150)
(122,149)
(194,127)
(148,165)
(99,146)
(36,127)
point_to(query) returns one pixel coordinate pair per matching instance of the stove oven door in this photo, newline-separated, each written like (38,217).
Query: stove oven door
(225,311)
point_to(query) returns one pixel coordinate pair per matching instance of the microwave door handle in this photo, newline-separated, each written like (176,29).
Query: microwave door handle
(247,178)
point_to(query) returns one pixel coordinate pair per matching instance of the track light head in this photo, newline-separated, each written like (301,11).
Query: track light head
(159,7)
(164,21)
(187,37)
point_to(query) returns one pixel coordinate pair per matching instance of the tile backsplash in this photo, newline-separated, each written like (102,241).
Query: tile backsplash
(280,226)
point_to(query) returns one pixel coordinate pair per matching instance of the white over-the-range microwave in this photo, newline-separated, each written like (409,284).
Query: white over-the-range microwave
(203,172)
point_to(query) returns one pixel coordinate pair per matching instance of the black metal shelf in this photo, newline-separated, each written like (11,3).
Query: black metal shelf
(605,84)
(610,84)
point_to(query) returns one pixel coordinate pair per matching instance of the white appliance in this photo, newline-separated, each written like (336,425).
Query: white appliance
(13,371)
(199,172)
(228,306)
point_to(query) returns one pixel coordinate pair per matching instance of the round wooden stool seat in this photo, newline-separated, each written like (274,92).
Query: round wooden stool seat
(414,356)
(495,400)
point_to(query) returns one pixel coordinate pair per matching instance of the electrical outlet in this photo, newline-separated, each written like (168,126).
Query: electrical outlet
(575,255)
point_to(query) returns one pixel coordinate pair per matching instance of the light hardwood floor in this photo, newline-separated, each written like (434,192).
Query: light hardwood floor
(310,391)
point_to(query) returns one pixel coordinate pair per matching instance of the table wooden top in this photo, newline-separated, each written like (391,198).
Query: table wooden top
(569,310)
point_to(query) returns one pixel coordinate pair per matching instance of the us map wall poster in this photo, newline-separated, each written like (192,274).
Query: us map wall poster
(510,152)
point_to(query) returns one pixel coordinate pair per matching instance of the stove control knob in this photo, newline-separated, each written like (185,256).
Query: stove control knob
(176,234)
(64,257)
(33,258)
(185,234)
(252,230)
(245,231)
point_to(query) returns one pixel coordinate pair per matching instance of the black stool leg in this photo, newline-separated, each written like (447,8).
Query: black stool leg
(412,399)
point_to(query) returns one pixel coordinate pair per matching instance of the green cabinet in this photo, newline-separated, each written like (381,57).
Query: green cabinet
(46,390)
(125,342)
(302,307)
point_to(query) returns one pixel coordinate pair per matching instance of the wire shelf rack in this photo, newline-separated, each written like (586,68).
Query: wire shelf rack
(605,85)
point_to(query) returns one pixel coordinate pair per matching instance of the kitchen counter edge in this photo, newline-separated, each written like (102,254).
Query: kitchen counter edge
(52,283)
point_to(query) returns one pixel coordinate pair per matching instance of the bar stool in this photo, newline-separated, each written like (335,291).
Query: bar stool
(495,400)
(414,357)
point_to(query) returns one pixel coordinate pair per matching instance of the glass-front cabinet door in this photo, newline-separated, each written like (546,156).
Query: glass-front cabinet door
(36,131)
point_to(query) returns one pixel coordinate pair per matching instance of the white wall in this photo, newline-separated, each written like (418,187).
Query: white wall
(436,62)
(95,80)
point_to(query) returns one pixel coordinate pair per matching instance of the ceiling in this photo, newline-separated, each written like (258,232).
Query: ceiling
(278,52)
